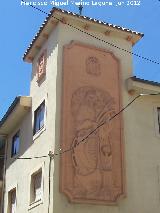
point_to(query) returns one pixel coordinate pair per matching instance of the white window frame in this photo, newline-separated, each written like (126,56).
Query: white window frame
(34,195)
(38,133)
(35,203)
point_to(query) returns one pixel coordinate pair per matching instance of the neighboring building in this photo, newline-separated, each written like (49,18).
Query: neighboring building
(2,153)
(79,82)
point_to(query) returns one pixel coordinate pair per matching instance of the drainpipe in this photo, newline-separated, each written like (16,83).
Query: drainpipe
(4,137)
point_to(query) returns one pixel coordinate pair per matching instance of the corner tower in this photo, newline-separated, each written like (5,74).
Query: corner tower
(80,66)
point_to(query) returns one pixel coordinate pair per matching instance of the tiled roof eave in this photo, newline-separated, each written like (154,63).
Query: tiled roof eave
(153,83)
(50,15)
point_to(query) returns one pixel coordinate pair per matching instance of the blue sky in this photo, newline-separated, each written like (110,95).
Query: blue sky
(19,24)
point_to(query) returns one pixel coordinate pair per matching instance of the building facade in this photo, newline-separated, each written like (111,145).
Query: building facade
(65,147)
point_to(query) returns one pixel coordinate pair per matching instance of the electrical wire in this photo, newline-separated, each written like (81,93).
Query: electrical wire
(100,125)
(110,44)
(107,121)
(93,131)
(28,158)
(25,158)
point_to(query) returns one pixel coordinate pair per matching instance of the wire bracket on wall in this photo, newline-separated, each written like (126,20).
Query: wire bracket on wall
(51,154)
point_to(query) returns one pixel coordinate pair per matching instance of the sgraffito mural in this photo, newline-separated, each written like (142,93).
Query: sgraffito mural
(92,171)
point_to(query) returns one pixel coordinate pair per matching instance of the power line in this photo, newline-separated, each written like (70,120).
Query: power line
(25,158)
(94,130)
(28,158)
(100,125)
(106,121)
(111,44)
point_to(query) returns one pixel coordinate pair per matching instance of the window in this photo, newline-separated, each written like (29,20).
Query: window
(39,118)
(158,112)
(36,187)
(15,144)
(12,201)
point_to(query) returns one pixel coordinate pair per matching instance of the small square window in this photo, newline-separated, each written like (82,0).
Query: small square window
(15,144)
(36,187)
(12,201)
(39,118)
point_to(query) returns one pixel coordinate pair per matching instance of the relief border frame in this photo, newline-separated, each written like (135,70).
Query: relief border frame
(61,137)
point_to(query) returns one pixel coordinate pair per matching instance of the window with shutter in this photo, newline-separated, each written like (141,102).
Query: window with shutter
(12,201)
(36,187)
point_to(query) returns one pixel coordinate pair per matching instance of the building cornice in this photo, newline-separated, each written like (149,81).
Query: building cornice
(57,15)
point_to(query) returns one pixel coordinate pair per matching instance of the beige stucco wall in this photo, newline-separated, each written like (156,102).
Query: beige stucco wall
(142,146)
(19,172)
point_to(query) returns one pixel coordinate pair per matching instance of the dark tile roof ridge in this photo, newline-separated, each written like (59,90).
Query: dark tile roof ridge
(153,83)
(79,16)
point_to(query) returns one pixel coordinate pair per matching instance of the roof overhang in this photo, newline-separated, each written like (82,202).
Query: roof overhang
(86,23)
(141,86)
(15,114)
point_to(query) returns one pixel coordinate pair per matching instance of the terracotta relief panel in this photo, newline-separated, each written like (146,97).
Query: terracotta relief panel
(92,172)
(41,66)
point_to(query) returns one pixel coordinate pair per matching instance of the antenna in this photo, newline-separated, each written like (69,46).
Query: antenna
(80,9)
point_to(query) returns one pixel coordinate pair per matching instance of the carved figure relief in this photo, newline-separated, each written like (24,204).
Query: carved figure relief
(93,66)
(92,172)
(41,66)
(92,159)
